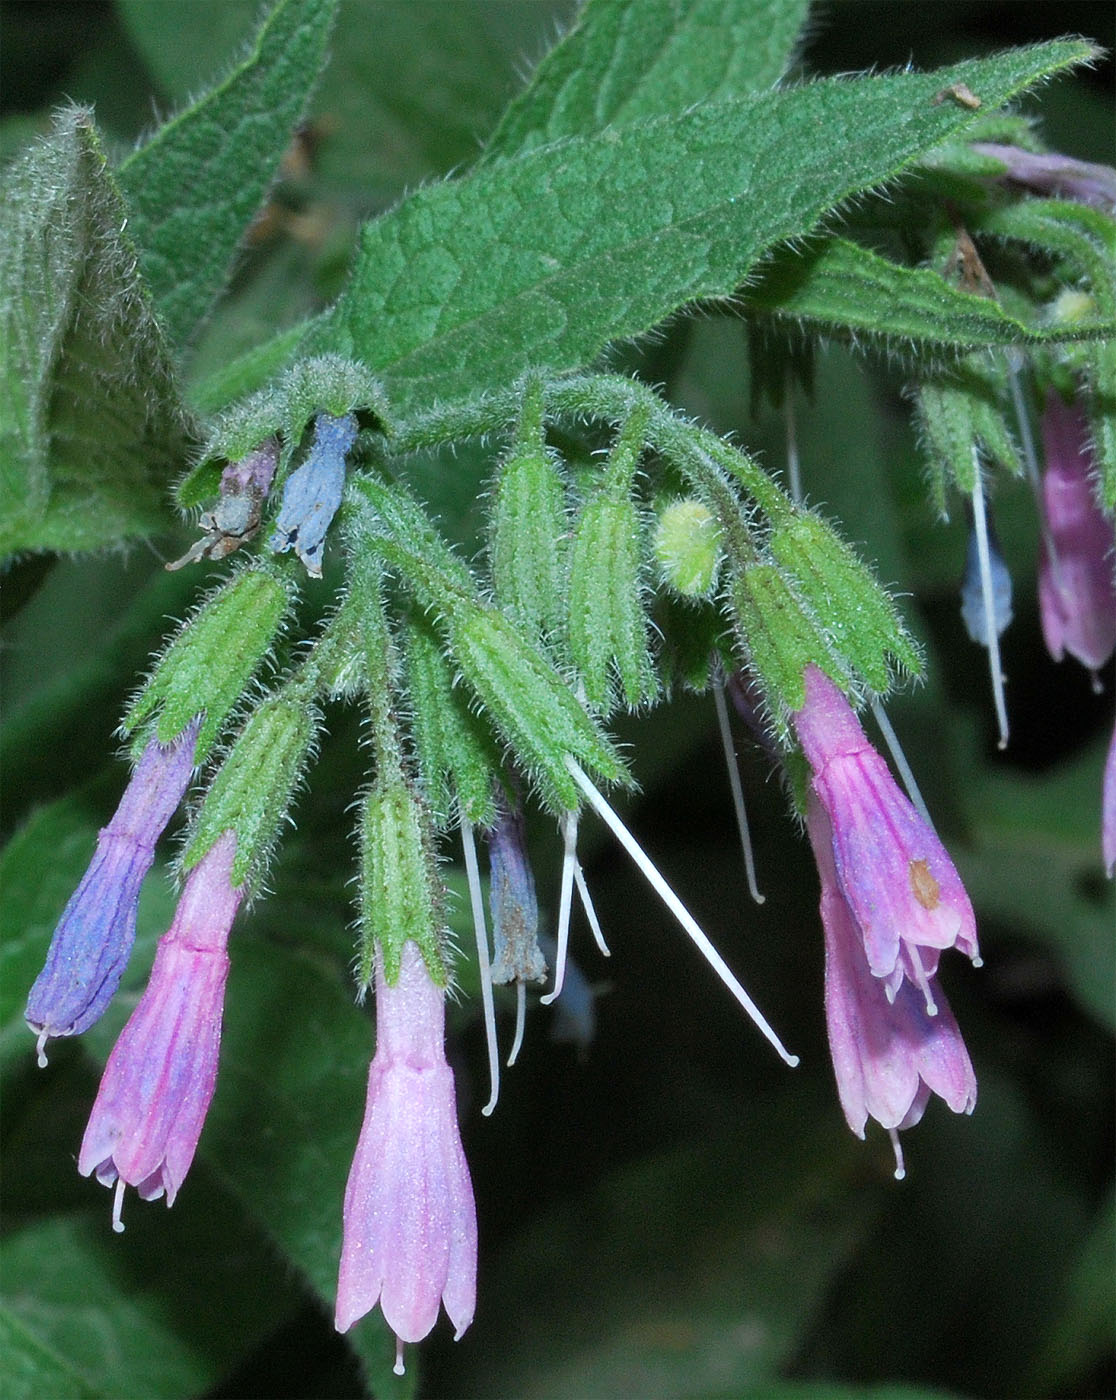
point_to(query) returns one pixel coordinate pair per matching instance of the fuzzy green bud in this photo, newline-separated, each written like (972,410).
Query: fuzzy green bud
(608,627)
(457,758)
(254,785)
(687,547)
(208,664)
(401,895)
(529,525)
(778,634)
(530,703)
(858,615)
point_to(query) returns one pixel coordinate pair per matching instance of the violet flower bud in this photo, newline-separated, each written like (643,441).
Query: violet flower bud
(1077,594)
(889,1056)
(313,492)
(1049,173)
(94,937)
(1108,809)
(158,1083)
(410,1225)
(902,888)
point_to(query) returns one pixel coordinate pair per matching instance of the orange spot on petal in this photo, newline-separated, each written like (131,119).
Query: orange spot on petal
(925,887)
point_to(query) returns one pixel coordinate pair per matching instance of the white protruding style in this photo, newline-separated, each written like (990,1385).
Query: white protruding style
(981,526)
(737,789)
(676,907)
(481,929)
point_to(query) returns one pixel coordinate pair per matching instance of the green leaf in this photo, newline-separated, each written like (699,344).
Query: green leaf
(628,60)
(547,257)
(840,285)
(194,186)
(92,420)
(93,1313)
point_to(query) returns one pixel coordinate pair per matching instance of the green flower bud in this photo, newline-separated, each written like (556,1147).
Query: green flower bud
(254,785)
(401,895)
(608,627)
(529,526)
(457,759)
(206,667)
(858,615)
(687,547)
(778,635)
(530,703)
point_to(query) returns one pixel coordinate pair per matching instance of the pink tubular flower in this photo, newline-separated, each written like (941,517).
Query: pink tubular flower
(159,1079)
(901,886)
(94,937)
(1077,593)
(889,1056)
(410,1225)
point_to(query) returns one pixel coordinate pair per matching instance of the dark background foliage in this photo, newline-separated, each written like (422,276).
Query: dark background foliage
(666,1210)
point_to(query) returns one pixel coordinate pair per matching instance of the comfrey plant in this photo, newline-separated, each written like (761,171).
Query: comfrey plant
(453,525)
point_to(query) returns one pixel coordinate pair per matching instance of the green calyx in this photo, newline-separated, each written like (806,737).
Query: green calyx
(528,527)
(859,617)
(401,895)
(457,759)
(779,636)
(207,666)
(252,789)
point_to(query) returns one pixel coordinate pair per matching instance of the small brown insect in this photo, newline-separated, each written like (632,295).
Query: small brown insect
(962,95)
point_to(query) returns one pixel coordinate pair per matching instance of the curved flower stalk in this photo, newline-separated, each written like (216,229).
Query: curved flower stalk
(890,1053)
(93,941)
(410,1225)
(159,1080)
(902,888)
(1077,594)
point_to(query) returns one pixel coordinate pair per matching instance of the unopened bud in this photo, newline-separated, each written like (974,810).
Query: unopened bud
(688,547)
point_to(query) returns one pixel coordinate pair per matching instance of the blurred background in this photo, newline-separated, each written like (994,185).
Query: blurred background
(665,1209)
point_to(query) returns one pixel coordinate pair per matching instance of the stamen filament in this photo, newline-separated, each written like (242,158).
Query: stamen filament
(484,966)
(590,912)
(737,789)
(981,526)
(676,907)
(565,904)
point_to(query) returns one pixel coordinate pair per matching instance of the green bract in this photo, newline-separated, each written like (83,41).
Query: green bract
(400,893)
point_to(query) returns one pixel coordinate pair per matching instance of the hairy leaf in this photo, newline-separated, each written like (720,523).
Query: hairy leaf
(547,257)
(92,422)
(628,60)
(838,285)
(195,185)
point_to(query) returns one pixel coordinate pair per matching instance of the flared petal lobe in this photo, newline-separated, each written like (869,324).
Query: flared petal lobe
(160,1077)
(410,1230)
(94,937)
(902,888)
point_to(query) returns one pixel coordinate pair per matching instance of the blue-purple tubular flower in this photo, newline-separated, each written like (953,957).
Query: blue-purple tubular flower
(94,937)
(313,492)
(515,909)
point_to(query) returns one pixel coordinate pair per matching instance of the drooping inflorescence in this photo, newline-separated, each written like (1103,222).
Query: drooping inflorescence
(628,552)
